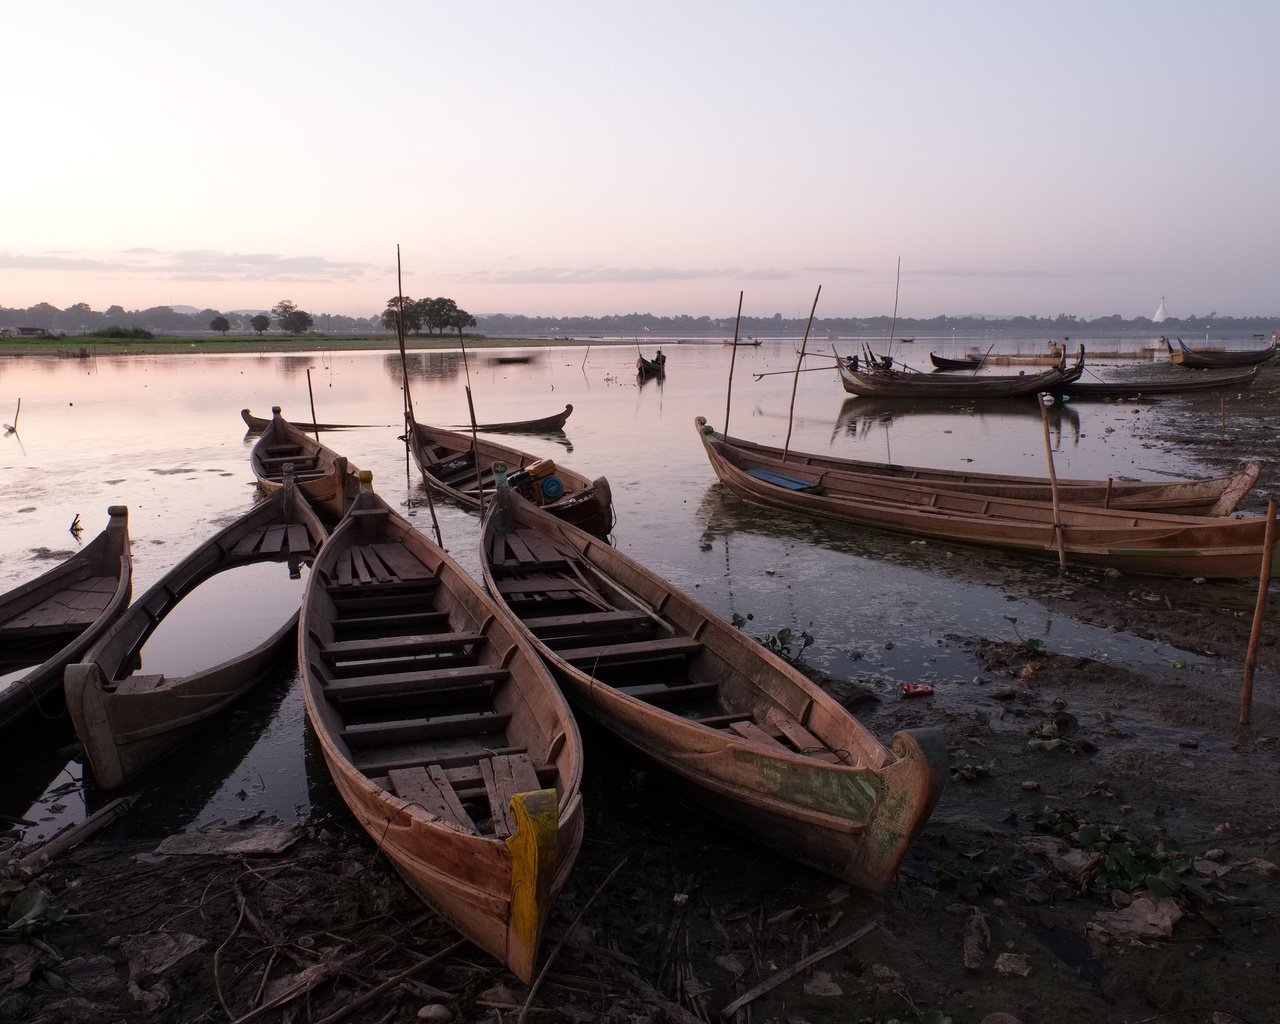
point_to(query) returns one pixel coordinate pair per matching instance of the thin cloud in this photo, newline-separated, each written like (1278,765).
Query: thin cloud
(194,265)
(621,275)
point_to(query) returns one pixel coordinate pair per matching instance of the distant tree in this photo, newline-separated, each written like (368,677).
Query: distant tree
(439,314)
(412,315)
(292,319)
(461,320)
(260,322)
(220,324)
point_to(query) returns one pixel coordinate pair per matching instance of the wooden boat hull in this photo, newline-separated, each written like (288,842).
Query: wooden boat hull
(454,465)
(545,425)
(327,480)
(426,703)
(655,367)
(1211,496)
(1186,382)
(50,621)
(1140,542)
(1184,355)
(257,424)
(898,384)
(743,731)
(952,363)
(127,719)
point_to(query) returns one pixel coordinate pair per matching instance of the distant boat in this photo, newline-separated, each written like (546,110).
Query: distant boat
(1204,359)
(655,367)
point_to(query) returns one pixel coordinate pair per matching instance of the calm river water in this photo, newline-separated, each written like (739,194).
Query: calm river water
(163,435)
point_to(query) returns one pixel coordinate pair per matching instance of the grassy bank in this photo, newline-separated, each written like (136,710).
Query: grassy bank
(84,346)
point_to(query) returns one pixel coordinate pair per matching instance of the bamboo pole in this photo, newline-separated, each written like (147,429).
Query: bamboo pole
(1044,400)
(796,377)
(410,421)
(733,358)
(1264,582)
(315,427)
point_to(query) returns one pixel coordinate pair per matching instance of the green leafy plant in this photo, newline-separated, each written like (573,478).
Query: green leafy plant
(787,643)
(1129,863)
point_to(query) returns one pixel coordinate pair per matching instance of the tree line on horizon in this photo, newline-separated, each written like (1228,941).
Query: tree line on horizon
(441,314)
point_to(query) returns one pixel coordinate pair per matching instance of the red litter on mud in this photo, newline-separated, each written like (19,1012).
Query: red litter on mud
(917,690)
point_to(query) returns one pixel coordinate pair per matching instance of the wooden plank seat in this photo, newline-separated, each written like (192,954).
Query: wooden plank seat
(627,653)
(504,777)
(540,585)
(407,730)
(431,790)
(420,682)
(751,732)
(398,646)
(392,596)
(806,742)
(299,461)
(662,694)
(458,755)
(400,623)
(617,625)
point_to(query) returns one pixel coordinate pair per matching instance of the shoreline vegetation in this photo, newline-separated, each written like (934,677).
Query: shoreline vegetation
(87,346)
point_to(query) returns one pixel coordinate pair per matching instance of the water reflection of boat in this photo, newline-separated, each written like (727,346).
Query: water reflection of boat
(744,732)
(50,621)
(858,414)
(1129,540)
(126,718)
(442,729)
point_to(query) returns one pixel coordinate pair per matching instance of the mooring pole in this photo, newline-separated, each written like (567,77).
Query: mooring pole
(1264,582)
(1045,400)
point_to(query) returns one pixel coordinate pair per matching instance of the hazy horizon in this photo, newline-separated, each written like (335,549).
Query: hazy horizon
(580,160)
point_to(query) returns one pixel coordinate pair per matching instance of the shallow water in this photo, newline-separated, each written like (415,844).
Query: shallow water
(163,435)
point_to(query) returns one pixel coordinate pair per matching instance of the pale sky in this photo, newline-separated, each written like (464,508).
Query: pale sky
(587,158)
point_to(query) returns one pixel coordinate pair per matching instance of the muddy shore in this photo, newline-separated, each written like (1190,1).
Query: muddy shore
(1106,850)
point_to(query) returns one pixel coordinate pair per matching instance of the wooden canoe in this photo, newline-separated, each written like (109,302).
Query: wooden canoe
(746,733)
(257,424)
(1152,384)
(50,621)
(970,362)
(1128,540)
(445,734)
(545,425)
(327,480)
(1205,496)
(1203,359)
(655,367)
(878,382)
(127,718)
(462,468)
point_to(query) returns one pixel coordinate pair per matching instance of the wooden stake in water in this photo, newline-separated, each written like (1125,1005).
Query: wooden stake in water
(791,409)
(728,393)
(1264,582)
(1045,400)
(315,428)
